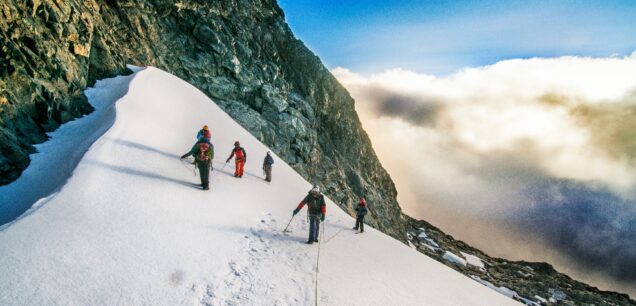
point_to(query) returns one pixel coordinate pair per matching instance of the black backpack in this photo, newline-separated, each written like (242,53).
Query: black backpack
(314,204)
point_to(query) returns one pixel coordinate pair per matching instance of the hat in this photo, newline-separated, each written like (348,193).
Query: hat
(315,189)
(205,128)
(237,143)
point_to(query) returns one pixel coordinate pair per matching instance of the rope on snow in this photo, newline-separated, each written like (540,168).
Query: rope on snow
(334,235)
(322,235)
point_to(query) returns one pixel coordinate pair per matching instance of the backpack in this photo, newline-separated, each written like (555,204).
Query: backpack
(269,160)
(238,152)
(203,148)
(314,203)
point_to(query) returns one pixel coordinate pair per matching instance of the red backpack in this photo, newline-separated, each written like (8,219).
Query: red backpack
(238,152)
(203,150)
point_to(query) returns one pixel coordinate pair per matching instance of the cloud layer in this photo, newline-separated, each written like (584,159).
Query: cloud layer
(541,148)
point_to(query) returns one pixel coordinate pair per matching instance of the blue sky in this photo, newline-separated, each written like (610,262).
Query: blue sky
(440,37)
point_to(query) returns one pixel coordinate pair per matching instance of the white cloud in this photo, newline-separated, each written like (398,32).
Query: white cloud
(522,107)
(488,151)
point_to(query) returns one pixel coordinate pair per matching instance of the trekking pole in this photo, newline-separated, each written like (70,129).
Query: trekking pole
(224,166)
(290,220)
(194,173)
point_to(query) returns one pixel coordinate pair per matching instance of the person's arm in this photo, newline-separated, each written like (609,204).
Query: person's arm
(300,206)
(244,155)
(231,155)
(323,208)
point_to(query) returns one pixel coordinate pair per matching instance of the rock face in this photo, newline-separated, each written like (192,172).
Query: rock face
(239,52)
(532,283)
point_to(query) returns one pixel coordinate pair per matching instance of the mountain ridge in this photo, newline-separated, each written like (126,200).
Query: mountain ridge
(240,53)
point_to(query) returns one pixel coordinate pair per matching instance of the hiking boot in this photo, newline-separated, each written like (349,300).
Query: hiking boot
(309,242)
(316,240)
(206,188)
(354,228)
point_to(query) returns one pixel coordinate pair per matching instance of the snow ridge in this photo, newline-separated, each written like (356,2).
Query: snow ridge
(131,226)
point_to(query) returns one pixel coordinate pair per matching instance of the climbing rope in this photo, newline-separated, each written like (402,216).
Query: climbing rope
(334,235)
(322,235)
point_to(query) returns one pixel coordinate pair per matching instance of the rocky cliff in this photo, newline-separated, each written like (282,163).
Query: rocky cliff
(239,52)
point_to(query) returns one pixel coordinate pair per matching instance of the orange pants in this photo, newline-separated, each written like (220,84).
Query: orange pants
(240,164)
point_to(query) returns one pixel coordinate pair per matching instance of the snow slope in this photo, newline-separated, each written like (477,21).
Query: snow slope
(57,157)
(130,227)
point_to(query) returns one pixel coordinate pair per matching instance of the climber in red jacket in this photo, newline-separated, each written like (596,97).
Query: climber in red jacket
(240,157)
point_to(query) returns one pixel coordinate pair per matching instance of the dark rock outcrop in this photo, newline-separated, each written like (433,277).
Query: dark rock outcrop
(534,282)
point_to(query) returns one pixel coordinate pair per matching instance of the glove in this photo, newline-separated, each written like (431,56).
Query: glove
(228,160)
(295,212)
(322,218)
(183,156)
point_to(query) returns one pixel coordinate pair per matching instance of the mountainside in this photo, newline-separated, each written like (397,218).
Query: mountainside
(131,226)
(239,52)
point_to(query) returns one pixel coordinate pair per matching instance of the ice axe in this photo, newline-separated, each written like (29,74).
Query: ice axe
(290,220)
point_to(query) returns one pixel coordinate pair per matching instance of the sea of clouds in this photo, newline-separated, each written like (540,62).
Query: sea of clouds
(526,158)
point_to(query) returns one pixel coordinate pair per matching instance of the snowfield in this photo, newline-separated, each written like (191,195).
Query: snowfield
(131,226)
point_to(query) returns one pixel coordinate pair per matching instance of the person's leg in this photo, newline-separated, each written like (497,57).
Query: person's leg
(268,173)
(361,224)
(357,223)
(237,164)
(312,228)
(317,233)
(201,173)
(242,166)
(205,170)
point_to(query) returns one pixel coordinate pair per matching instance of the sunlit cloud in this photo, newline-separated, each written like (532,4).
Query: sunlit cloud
(513,140)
